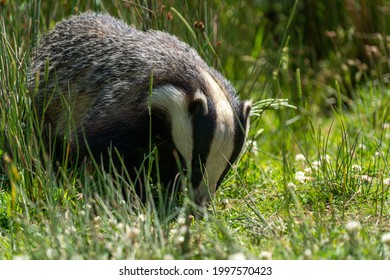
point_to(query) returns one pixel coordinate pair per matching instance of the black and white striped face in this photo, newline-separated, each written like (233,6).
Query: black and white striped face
(208,129)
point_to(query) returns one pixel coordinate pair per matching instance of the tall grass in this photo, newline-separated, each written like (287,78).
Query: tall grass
(312,183)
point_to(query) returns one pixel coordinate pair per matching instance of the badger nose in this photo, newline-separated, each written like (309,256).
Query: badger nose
(202,195)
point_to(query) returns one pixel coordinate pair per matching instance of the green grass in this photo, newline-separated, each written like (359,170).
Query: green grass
(313,183)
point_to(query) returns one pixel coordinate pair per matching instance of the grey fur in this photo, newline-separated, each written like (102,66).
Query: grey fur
(102,68)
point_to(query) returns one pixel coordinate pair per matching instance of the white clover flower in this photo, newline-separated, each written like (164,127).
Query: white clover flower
(173,231)
(265,255)
(237,257)
(168,257)
(291,185)
(21,257)
(386,181)
(362,146)
(252,146)
(182,229)
(353,226)
(180,239)
(70,231)
(141,217)
(386,238)
(308,170)
(386,125)
(181,220)
(366,178)
(61,240)
(300,176)
(76,257)
(132,233)
(316,163)
(307,254)
(50,253)
(121,226)
(112,222)
(225,202)
(87,206)
(356,168)
(300,157)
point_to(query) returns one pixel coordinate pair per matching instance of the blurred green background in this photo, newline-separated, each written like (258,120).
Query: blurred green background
(253,42)
(305,177)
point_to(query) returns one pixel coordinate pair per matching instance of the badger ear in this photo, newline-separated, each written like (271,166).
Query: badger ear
(246,109)
(198,105)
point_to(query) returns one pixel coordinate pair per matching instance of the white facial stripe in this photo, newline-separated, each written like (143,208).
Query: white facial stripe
(173,101)
(222,145)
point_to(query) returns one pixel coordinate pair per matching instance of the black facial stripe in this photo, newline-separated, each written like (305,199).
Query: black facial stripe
(239,138)
(203,133)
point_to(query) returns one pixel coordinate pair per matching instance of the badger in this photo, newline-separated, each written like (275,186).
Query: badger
(121,88)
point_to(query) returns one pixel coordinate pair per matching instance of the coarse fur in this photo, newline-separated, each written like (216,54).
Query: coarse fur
(95,72)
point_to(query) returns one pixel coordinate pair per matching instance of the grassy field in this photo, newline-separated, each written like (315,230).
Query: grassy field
(313,182)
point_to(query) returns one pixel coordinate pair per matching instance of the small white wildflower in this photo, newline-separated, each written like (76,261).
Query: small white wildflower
(366,178)
(71,230)
(308,170)
(265,255)
(97,219)
(50,253)
(181,220)
(61,240)
(386,238)
(300,157)
(324,241)
(300,176)
(82,213)
(173,231)
(109,246)
(121,226)
(316,164)
(21,257)
(141,217)
(112,222)
(307,254)
(362,146)
(237,257)
(77,257)
(378,154)
(132,233)
(225,202)
(353,226)
(87,206)
(386,125)
(168,257)
(291,185)
(183,229)
(356,168)
(386,181)
(180,239)
(252,146)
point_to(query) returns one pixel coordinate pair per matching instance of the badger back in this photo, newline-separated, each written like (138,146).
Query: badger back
(97,71)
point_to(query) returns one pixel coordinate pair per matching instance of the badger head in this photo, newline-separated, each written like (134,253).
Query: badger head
(208,129)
